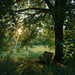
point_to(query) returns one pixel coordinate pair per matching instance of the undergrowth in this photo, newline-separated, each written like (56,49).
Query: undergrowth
(8,66)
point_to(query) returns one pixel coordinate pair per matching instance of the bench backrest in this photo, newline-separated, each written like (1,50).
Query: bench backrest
(47,54)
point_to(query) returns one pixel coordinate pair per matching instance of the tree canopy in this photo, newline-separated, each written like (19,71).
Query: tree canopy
(31,14)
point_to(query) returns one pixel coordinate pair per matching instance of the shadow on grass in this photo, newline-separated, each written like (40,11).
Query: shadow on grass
(33,55)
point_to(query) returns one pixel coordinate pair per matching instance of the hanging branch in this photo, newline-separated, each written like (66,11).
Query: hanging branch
(31,18)
(40,9)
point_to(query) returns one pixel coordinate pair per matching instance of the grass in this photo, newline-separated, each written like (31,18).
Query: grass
(25,64)
(31,53)
(26,61)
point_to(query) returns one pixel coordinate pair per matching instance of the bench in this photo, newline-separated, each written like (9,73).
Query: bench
(46,56)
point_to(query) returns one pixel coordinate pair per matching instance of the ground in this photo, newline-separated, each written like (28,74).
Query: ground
(27,62)
(31,53)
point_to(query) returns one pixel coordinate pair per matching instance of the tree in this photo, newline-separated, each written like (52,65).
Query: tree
(39,11)
(7,22)
(28,33)
(69,42)
(48,36)
(57,11)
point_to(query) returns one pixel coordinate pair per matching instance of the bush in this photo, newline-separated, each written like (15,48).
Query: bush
(8,66)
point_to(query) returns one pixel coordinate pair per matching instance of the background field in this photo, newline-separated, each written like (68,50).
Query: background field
(31,53)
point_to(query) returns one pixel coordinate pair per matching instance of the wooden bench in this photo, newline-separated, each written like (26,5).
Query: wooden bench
(46,56)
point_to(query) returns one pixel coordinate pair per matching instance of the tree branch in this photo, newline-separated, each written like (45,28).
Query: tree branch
(37,18)
(49,4)
(41,9)
(30,17)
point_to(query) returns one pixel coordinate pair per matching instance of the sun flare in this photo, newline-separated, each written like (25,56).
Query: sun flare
(20,31)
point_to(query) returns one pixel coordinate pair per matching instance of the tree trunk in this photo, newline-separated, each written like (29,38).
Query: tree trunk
(59,17)
(59,21)
(58,41)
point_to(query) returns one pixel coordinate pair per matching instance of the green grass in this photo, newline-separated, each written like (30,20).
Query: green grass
(24,65)
(31,53)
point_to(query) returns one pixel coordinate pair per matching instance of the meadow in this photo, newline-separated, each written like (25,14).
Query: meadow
(25,62)
(31,53)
